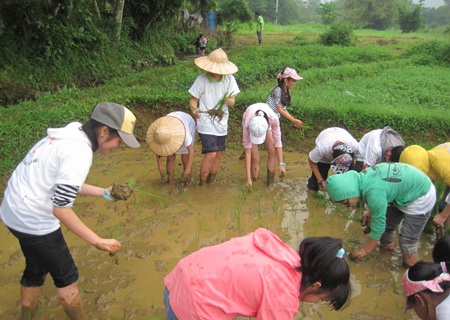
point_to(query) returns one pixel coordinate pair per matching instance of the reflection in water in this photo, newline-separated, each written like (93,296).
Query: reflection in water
(160,224)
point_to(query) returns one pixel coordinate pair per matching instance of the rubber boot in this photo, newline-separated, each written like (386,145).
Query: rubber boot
(270,178)
(211,177)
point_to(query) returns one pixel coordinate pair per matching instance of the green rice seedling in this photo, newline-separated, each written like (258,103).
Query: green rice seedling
(217,111)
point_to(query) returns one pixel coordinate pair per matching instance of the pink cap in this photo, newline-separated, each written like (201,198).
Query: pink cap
(289,73)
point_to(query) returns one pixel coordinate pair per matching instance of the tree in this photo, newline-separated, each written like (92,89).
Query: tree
(328,12)
(231,13)
(410,21)
(373,14)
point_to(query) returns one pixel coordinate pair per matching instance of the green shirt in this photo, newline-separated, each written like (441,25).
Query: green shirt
(379,185)
(260,24)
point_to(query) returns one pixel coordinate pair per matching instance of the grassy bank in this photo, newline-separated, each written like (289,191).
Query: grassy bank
(387,79)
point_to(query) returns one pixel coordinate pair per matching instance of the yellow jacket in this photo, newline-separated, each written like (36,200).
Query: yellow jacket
(435,163)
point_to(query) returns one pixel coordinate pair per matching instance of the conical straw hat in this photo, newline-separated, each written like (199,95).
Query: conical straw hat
(165,136)
(216,62)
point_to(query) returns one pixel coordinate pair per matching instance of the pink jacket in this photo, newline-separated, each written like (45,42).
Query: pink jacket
(274,123)
(251,276)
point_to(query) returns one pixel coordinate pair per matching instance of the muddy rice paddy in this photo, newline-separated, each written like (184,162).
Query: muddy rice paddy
(159,224)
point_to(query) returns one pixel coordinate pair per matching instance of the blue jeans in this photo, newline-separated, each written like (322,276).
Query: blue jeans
(170,315)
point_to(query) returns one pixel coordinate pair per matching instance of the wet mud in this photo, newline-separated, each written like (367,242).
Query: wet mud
(161,223)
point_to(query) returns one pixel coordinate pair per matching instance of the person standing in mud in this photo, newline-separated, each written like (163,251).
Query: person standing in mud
(262,125)
(211,95)
(397,194)
(171,135)
(335,148)
(40,195)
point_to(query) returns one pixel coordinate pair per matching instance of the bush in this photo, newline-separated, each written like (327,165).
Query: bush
(339,33)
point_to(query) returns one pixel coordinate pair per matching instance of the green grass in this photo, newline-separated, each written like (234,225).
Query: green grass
(403,83)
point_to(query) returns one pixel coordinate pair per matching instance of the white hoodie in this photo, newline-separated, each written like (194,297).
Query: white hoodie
(63,157)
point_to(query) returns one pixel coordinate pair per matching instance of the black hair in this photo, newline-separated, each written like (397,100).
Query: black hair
(264,115)
(395,153)
(257,13)
(91,128)
(285,95)
(441,250)
(423,271)
(319,263)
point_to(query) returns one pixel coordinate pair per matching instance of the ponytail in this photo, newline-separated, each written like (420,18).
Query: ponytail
(322,261)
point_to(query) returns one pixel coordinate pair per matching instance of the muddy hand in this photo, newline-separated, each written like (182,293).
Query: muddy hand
(110,245)
(358,254)
(438,220)
(366,218)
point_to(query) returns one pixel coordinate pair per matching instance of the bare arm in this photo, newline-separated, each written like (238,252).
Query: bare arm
(190,162)
(193,103)
(315,169)
(439,219)
(68,217)
(280,160)
(285,114)
(248,162)
(90,190)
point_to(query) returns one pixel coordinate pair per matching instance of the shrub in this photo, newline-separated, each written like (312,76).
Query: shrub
(339,33)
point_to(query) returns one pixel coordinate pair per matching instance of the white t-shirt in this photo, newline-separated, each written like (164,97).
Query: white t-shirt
(443,309)
(63,157)
(210,92)
(190,127)
(370,151)
(326,139)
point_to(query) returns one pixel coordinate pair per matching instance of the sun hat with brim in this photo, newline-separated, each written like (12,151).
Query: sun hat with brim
(216,62)
(119,118)
(166,135)
(258,127)
(289,73)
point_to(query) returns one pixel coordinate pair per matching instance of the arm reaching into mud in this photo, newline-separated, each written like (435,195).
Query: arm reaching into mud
(68,217)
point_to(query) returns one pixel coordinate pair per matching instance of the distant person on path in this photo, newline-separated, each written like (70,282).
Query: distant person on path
(171,135)
(280,97)
(257,275)
(394,193)
(427,288)
(435,163)
(335,148)
(376,147)
(40,195)
(203,41)
(262,125)
(211,95)
(259,27)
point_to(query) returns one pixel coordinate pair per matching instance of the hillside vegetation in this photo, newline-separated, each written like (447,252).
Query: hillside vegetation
(388,78)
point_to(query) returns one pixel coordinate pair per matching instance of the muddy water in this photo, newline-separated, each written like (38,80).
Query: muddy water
(160,224)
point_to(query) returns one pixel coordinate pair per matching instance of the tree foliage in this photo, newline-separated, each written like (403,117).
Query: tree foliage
(372,14)
(328,12)
(410,20)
